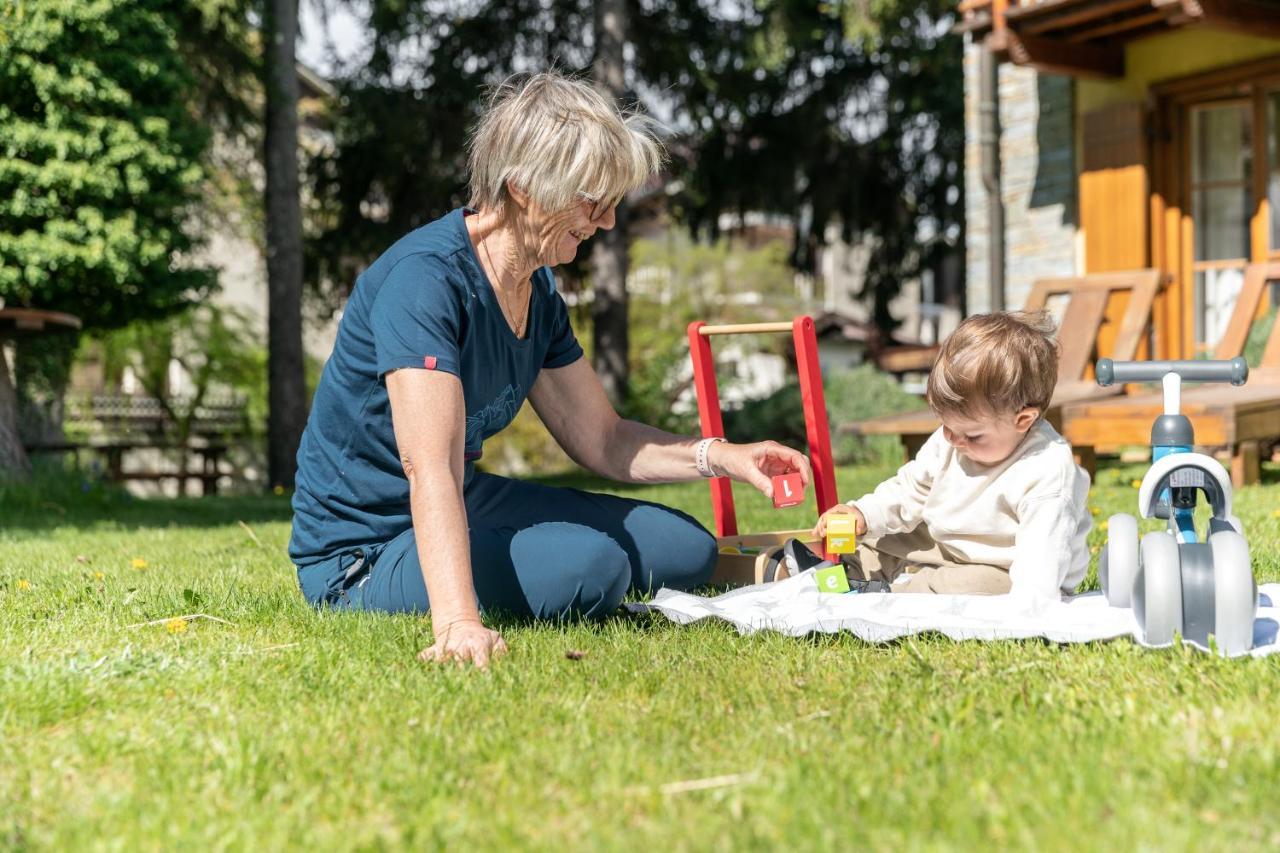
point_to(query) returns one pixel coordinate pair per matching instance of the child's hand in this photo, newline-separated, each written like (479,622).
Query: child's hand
(859,525)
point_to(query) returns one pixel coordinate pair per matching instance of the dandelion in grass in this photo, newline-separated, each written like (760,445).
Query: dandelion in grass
(139,563)
(1137,484)
(23,583)
(99,576)
(176,625)
(1093,510)
(1275,513)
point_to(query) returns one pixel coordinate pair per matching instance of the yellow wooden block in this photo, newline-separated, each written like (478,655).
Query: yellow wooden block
(842,534)
(841,544)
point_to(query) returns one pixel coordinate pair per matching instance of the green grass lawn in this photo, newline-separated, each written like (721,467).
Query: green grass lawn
(279,727)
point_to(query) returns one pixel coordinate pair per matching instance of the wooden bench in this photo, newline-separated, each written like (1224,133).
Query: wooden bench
(1086,309)
(207,471)
(125,416)
(1223,416)
(907,358)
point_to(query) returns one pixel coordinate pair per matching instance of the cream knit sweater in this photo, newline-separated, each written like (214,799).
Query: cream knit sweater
(1027,514)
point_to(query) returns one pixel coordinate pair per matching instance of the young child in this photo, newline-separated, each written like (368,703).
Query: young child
(994,502)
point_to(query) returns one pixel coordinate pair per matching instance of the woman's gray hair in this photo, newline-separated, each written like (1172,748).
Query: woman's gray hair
(560,141)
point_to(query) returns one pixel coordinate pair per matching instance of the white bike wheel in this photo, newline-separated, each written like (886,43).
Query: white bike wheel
(1158,591)
(1118,566)
(1235,597)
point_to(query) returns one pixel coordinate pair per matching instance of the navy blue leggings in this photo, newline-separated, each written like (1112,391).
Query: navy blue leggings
(536,550)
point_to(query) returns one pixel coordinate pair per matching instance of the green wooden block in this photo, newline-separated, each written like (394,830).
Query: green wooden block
(832,579)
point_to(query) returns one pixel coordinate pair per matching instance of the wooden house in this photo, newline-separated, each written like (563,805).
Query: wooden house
(1110,135)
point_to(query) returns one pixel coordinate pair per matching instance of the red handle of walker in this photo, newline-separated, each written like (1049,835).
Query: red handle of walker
(817,429)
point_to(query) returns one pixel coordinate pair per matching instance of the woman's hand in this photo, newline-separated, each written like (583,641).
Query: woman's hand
(859,524)
(758,463)
(465,641)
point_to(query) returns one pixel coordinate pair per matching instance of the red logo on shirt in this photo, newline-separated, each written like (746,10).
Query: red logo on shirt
(429,362)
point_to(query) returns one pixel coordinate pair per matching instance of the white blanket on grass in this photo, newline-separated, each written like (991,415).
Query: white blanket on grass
(795,607)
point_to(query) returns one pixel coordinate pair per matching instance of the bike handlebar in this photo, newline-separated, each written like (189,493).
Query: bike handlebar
(1235,371)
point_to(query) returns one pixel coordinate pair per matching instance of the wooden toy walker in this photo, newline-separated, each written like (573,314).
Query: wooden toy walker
(754,557)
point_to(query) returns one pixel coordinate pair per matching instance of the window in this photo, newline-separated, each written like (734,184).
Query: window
(1221,205)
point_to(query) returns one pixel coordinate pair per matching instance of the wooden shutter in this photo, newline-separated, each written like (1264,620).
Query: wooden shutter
(1114,202)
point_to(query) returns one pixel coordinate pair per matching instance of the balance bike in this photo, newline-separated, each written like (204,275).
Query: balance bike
(1174,581)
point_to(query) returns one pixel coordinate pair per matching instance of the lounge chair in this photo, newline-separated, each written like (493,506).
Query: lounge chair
(1087,298)
(1239,418)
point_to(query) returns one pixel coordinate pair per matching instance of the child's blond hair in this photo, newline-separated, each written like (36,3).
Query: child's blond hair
(996,364)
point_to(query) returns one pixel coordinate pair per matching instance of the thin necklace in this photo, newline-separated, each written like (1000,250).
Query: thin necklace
(519,320)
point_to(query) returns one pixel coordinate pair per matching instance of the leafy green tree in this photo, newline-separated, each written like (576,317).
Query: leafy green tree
(100,164)
(100,160)
(105,113)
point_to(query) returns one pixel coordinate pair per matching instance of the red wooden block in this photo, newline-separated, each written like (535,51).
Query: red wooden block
(788,490)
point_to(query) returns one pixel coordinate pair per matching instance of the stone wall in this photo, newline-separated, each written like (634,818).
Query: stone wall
(1038,182)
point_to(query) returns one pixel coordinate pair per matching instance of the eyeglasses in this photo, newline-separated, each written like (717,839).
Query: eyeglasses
(599,207)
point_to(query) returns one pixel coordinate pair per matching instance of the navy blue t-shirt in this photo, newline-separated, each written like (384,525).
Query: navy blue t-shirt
(424,304)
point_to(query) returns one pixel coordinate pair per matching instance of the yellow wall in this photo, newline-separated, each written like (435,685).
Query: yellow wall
(1180,53)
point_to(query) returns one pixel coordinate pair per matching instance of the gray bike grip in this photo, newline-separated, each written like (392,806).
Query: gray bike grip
(1235,371)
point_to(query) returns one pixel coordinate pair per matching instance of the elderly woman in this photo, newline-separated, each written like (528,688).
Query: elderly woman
(444,337)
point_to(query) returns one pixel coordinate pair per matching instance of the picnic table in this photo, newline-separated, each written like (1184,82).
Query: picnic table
(113,453)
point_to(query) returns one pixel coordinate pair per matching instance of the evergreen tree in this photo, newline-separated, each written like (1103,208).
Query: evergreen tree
(827,112)
(847,112)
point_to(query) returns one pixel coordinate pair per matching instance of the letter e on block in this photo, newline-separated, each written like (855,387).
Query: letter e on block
(832,579)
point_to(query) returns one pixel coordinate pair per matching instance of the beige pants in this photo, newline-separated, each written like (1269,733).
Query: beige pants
(932,567)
